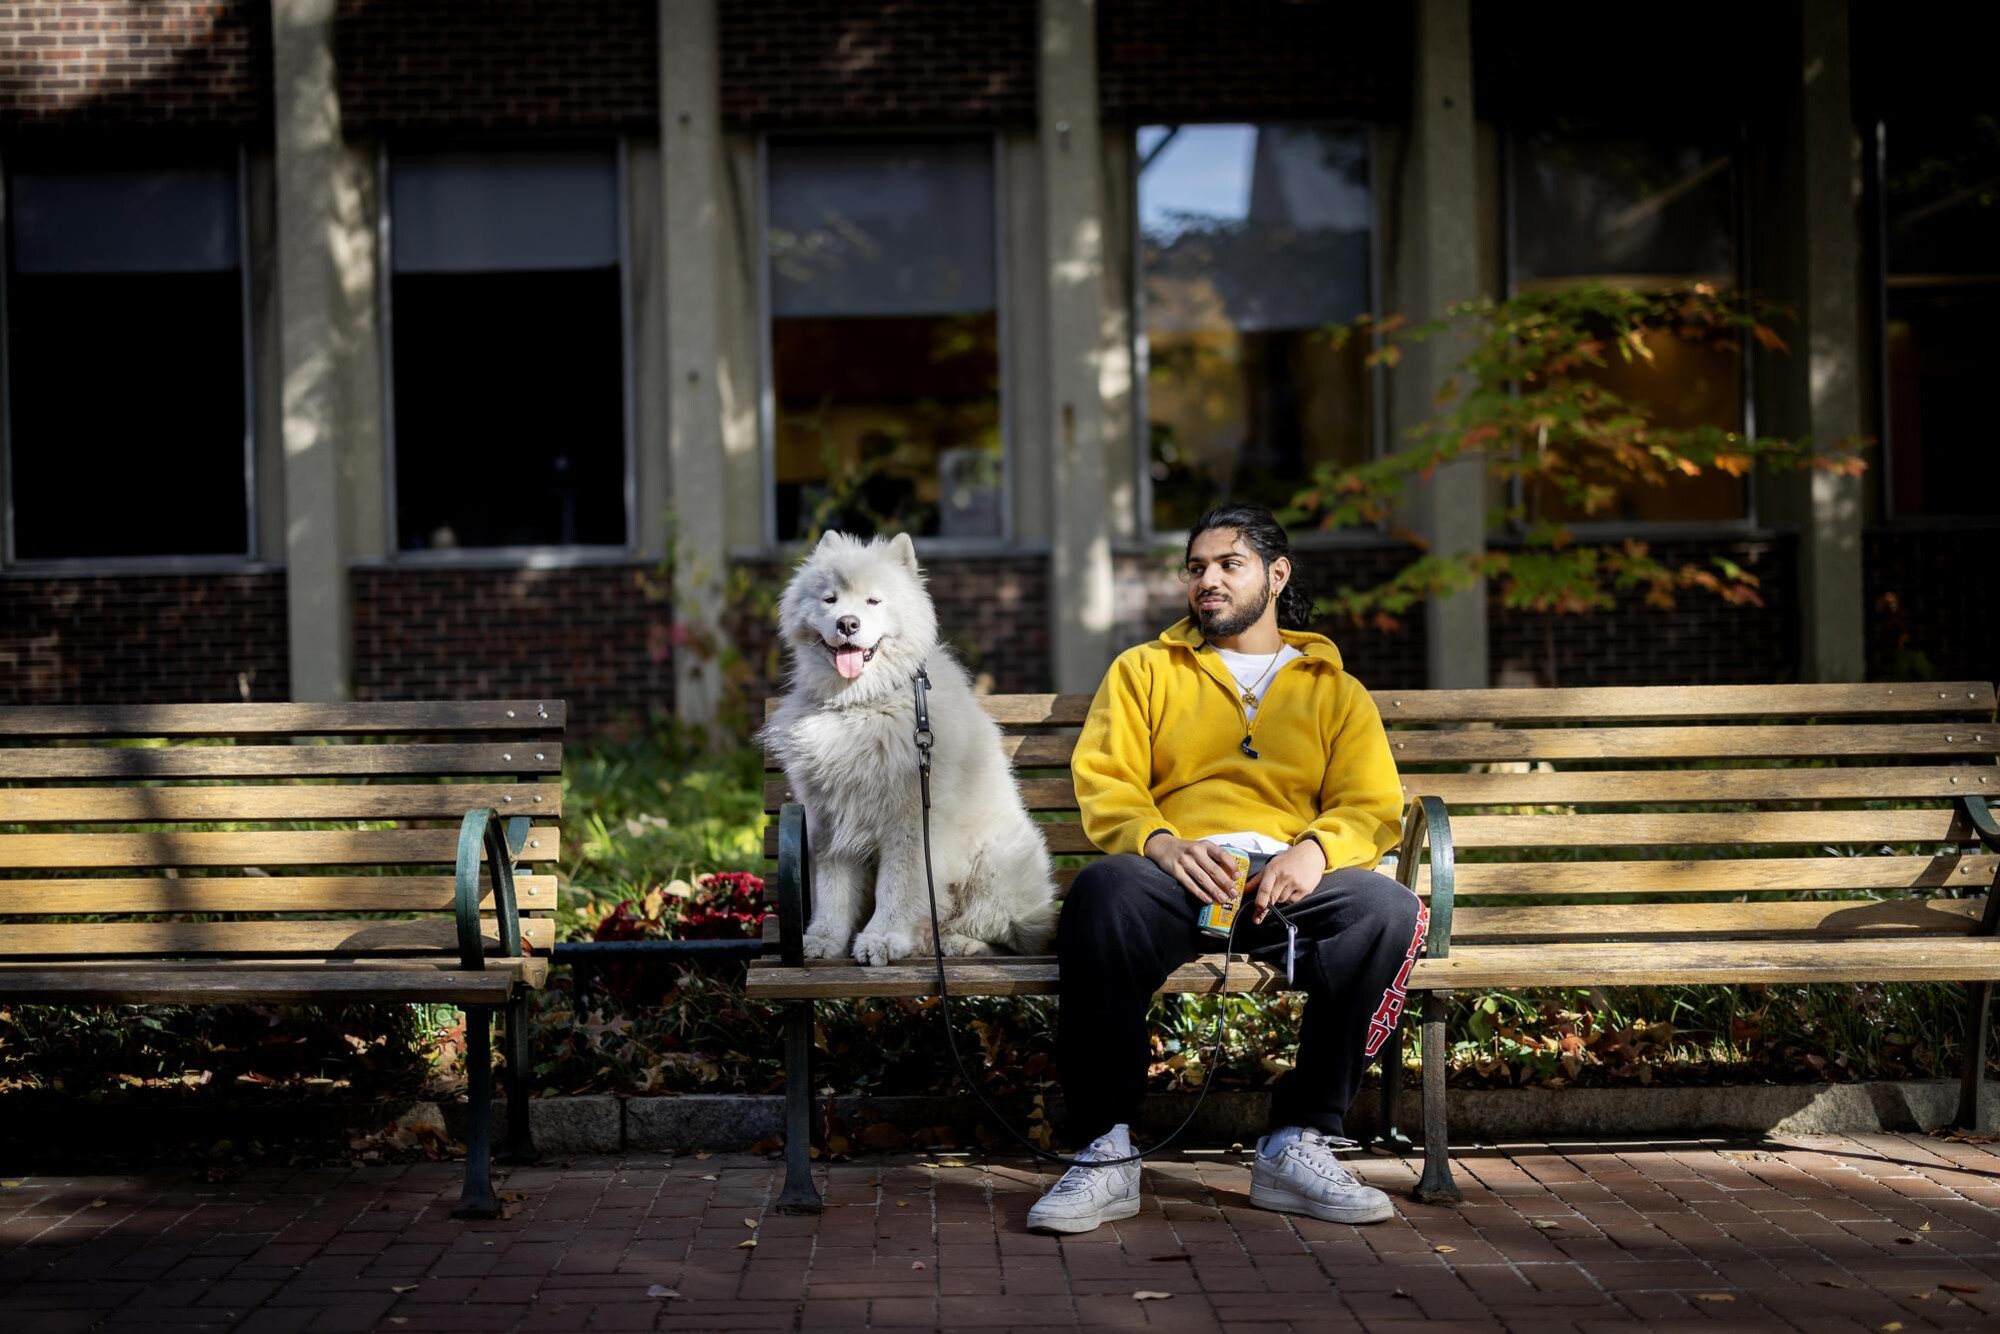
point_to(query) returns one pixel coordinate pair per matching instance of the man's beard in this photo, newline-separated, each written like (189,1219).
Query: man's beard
(1227,622)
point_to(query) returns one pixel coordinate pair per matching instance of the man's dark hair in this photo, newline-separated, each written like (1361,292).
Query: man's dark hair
(1263,534)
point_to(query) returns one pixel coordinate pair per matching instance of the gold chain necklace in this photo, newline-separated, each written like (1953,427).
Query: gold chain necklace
(1249,695)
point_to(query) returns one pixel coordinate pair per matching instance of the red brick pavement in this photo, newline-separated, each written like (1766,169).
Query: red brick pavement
(1812,1233)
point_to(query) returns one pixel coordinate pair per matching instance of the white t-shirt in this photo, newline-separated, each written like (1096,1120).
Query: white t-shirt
(1248,668)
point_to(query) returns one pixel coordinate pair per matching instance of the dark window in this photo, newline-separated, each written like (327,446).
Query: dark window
(1642,213)
(508,345)
(1253,239)
(125,361)
(1941,210)
(885,338)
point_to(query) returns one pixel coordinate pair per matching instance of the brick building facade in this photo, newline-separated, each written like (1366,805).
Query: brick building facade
(643,193)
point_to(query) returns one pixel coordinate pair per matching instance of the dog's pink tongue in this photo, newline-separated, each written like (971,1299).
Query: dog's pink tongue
(847,661)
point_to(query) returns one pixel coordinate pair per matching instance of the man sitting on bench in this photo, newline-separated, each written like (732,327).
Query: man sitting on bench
(1238,728)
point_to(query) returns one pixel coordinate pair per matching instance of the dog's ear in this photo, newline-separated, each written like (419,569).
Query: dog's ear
(904,550)
(829,538)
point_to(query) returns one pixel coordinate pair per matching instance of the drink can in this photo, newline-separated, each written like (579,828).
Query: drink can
(1215,919)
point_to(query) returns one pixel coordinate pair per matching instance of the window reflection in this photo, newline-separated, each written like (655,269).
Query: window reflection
(1640,213)
(1253,238)
(885,337)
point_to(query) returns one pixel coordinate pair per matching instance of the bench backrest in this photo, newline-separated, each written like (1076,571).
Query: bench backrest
(1715,799)
(266,830)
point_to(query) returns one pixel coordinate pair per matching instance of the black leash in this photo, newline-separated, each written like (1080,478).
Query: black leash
(921,683)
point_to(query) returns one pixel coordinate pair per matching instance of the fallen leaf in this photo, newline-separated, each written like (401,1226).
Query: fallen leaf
(1402,1296)
(747,1244)
(1923,1227)
(99,1203)
(1545,1224)
(1143,1295)
(1444,1250)
(1713,1297)
(399,1320)
(902,1204)
(916,1264)
(1891,1327)
(703,1156)
(406,1287)
(750,1223)
(711,1177)
(1920,1296)
(661,1290)
(10,1185)
(1961,1287)
(1168,1259)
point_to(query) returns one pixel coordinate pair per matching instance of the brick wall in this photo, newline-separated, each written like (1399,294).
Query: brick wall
(993,610)
(1169,60)
(154,63)
(1930,604)
(498,64)
(791,63)
(143,639)
(1703,641)
(599,636)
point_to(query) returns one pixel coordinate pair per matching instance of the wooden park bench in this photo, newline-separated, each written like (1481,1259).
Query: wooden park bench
(1583,837)
(212,854)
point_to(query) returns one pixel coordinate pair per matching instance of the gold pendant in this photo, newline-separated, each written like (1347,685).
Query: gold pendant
(1249,699)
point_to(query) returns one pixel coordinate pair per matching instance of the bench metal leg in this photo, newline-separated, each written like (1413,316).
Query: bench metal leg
(1390,1137)
(800,1195)
(1978,1025)
(478,1199)
(520,1130)
(1436,1185)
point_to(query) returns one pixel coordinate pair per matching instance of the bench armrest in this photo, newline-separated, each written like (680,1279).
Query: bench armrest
(794,884)
(1980,816)
(483,830)
(1428,824)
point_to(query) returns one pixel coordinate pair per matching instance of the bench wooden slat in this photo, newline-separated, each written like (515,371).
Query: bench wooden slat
(269,936)
(289,847)
(1736,875)
(382,718)
(1609,787)
(288,802)
(32,763)
(1478,967)
(1613,787)
(333,983)
(258,893)
(1488,744)
(1587,702)
(1683,921)
(1584,703)
(1066,837)
(1709,829)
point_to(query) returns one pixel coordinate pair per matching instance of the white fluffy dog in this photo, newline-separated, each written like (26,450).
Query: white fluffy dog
(858,624)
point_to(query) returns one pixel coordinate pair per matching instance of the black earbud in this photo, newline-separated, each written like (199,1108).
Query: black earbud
(1248,749)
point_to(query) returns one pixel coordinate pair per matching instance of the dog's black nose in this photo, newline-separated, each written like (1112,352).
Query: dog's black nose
(848,625)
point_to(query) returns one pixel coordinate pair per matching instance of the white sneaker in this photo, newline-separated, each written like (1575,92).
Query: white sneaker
(1088,1196)
(1306,1178)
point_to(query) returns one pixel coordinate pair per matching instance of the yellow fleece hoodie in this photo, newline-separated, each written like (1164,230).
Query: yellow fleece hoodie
(1161,749)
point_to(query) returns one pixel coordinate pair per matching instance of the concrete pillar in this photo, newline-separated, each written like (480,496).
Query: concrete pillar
(1080,600)
(691,154)
(1830,362)
(1438,263)
(310,302)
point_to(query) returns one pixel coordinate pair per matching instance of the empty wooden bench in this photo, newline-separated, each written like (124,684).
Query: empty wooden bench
(289,853)
(1581,837)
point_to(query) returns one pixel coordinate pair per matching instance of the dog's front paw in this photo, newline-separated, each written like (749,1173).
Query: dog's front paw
(877,947)
(956,946)
(822,944)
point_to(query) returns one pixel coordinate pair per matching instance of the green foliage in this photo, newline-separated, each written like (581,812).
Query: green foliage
(1531,399)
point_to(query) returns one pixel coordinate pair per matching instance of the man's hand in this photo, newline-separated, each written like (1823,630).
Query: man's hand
(1287,877)
(1204,870)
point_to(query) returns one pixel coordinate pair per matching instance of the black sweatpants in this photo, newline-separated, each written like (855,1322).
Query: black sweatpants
(1126,924)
